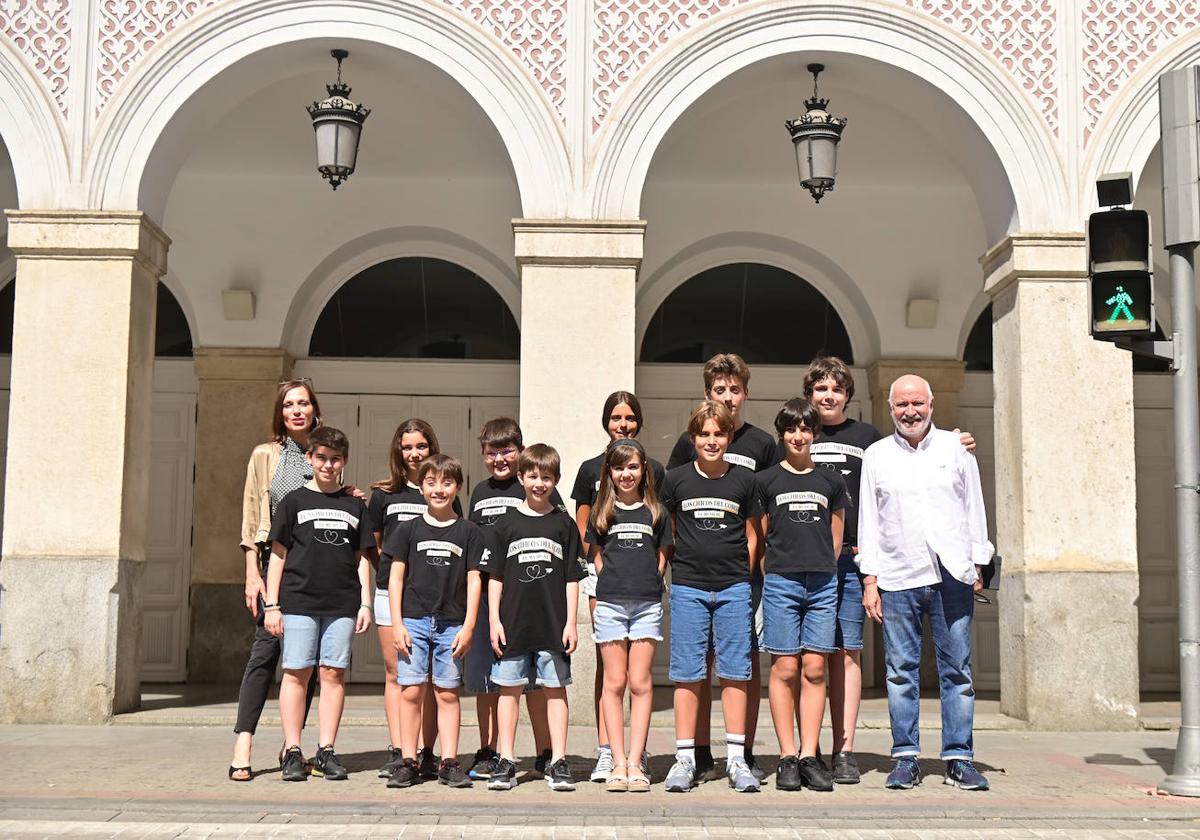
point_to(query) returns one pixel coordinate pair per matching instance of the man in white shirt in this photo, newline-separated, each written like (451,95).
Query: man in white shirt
(922,536)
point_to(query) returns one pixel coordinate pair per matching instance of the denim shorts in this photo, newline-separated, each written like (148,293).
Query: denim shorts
(480,658)
(756,593)
(800,612)
(309,639)
(383,608)
(432,639)
(547,668)
(721,620)
(627,618)
(850,612)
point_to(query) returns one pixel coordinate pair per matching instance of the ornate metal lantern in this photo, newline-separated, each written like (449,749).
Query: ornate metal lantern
(815,136)
(337,123)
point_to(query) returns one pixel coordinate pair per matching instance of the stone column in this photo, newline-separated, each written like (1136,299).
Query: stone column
(77,480)
(1065,494)
(945,376)
(233,415)
(578,345)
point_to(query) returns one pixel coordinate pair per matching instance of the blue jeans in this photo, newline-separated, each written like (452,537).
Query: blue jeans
(850,613)
(721,620)
(432,639)
(799,612)
(949,605)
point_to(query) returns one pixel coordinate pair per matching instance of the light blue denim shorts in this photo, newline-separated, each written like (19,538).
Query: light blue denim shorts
(627,618)
(383,608)
(309,639)
(432,639)
(548,668)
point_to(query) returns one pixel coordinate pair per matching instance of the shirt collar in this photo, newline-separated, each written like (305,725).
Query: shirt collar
(903,443)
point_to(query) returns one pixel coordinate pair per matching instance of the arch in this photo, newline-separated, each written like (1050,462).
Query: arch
(711,52)
(382,245)
(193,55)
(974,312)
(34,135)
(817,270)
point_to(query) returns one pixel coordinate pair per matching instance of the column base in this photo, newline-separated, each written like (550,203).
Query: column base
(1068,649)
(70,639)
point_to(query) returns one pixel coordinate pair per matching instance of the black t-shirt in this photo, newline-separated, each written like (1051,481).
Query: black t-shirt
(710,525)
(629,550)
(535,557)
(491,499)
(388,510)
(799,532)
(436,561)
(587,480)
(750,447)
(840,448)
(323,534)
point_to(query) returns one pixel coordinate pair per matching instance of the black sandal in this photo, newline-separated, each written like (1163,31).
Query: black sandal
(234,770)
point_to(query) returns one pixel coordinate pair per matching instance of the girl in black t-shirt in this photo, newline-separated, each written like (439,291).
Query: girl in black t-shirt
(630,538)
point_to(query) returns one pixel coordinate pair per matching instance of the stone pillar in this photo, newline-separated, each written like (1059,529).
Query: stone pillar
(1065,494)
(233,415)
(945,376)
(77,480)
(578,345)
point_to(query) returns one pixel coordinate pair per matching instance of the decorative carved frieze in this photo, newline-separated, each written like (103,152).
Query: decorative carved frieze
(41,30)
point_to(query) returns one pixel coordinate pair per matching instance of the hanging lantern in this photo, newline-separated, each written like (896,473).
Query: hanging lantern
(815,136)
(337,122)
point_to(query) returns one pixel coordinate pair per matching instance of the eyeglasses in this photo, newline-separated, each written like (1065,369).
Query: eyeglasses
(295,383)
(502,454)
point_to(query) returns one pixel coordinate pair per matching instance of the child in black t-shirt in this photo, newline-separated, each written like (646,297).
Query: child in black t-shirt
(535,562)
(804,513)
(433,591)
(318,597)
(630,536)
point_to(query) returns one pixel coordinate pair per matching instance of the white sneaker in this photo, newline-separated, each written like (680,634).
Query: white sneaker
(740,777)
(604,765)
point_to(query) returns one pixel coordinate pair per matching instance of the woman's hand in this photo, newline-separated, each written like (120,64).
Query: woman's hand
(255,589)
(355,492)
(273,622)
(401,641)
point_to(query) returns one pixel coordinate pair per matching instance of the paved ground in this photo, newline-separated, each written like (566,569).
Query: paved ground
(134,780)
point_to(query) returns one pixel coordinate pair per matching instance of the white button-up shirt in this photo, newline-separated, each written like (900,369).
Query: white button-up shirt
(918,506)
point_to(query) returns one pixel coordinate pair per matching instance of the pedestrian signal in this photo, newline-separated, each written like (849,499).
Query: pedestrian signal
(1119,270)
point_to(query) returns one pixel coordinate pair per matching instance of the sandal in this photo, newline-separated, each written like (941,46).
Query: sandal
(637,781)
(240,774)
(618,781)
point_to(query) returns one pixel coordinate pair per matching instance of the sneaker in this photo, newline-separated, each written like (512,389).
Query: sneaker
(681,776)
(451,774)
(740,777)
(706,768)
(484,764)
(787,776)
(427,763)
(327,764)
(393,761)
(845,769)
(540,763)
(603,766)
(405,775)
(758,772)
(294,768)
(904,776)
(558,776)
(504,777)
(814,775)
(961,773)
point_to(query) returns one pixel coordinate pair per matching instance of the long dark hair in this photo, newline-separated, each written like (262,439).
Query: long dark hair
(619,453)
(617,398)
(277,425)
(395,482)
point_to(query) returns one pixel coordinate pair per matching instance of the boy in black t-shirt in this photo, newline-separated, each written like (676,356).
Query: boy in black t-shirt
(318,597)
(803,518)
(501,443)
(535,562)
(716,518)
(433,565)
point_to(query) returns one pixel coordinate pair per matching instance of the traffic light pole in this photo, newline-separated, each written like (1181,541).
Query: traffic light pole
(1185,777)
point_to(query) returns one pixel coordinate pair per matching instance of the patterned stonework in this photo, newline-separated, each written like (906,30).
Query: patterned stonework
(1121,35)
(1020,33)
(41,30)
(535,31)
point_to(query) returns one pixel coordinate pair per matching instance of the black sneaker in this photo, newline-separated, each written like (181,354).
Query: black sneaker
(814,776)
(450,773)
(428,763)
(845,769)
(294,768)
(327,764)
(787,777)
(484,764)
(504,777)
(706,768)
(558,776)
(405,775)
(393,761)
(758,772)
(541,762)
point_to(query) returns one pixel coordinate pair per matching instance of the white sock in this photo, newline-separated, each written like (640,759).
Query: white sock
(686,748)
(735,747)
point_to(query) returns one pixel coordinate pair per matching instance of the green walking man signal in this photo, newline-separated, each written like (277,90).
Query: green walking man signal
(1122,301)
(1119,275)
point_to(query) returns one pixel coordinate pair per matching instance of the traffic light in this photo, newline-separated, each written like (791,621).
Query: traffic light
(1121,286)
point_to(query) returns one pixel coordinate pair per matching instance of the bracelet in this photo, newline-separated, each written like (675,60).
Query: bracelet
(271,608)
(364,606)
(267,606)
